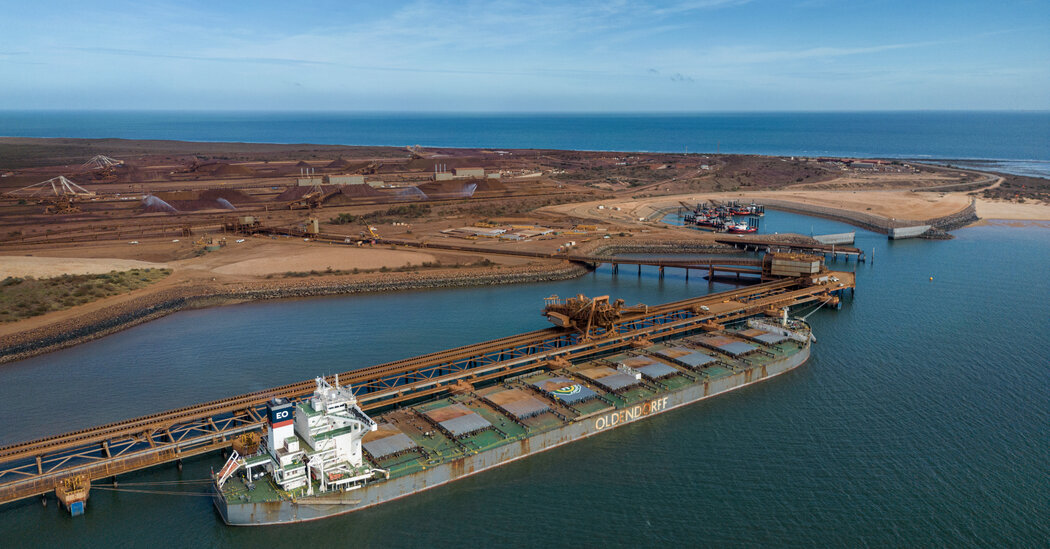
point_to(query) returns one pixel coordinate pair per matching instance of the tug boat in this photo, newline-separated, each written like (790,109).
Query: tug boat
(741,228)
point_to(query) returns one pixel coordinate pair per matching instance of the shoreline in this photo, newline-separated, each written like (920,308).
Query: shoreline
(153,306)
(1014,223)
(157,304)
(816,204)
(937,160)
(878,224)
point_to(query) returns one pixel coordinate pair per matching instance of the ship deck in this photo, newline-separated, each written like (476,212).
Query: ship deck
(443,430)
(236,490)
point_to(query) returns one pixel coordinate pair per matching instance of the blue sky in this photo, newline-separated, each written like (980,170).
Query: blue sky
(506,55)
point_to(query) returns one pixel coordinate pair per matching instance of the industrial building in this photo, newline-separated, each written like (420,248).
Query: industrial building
(461,173)
(346,179)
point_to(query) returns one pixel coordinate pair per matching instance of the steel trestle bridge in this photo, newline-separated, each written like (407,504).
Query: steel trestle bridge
(37,467)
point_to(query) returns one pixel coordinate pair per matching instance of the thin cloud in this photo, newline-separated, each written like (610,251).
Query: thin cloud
(382,68)
(752,56)
(210,58)
(684,7)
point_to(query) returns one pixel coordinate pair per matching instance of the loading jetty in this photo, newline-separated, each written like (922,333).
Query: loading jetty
(57,464)
(774,245)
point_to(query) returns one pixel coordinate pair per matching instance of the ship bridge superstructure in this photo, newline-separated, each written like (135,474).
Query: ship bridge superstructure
(332,426)
(315,442)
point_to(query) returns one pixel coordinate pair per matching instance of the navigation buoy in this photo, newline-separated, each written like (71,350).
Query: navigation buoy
(931,279)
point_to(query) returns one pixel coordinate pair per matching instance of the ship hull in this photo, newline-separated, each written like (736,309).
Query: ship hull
(332,504)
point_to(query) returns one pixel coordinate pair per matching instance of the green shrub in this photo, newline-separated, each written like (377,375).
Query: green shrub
(343,219)
(25,297)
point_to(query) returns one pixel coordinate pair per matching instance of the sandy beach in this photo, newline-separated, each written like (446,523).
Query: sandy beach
(998,209)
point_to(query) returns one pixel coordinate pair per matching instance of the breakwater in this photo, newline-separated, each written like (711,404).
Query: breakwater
(875,223)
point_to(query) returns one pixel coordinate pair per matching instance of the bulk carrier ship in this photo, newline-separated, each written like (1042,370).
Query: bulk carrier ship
(324,456)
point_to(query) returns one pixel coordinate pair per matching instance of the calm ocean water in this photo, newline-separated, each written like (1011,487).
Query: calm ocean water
(920,421)
(1020,138)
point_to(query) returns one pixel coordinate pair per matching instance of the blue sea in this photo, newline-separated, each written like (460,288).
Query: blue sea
(1019,141)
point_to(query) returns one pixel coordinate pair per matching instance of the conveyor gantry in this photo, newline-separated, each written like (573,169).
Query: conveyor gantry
(36,467)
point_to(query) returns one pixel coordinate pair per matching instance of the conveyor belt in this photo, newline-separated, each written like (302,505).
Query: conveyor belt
(33,467)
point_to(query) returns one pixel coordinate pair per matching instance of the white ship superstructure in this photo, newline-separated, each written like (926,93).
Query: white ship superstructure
(314,444)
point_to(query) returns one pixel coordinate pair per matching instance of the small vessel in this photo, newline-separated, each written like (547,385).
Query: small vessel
(324,456)
(748,209)
(741,228)
(714,222)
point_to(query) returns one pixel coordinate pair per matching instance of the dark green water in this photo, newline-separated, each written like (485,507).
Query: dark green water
(922,419)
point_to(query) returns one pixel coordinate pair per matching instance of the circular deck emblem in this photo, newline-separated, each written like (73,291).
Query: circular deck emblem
(568,390)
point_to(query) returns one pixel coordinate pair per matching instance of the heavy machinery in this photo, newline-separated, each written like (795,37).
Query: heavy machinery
(103,167)
(243,224)
(691,207)
(309,200)
(102,162)
(61,205)
(247,443)
(59,195)
(314,198)
(371,168)
(588,315)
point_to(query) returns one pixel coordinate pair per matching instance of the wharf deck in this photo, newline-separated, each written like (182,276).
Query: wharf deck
(35,467)
(666,262)
(772,244)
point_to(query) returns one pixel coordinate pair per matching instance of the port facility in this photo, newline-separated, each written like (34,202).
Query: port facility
(42,466)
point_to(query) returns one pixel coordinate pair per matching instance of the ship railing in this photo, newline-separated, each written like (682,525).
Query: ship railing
(232,465)
(359,414)
(795,329)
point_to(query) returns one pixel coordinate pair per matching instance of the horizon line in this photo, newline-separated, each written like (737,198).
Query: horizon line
(510,112)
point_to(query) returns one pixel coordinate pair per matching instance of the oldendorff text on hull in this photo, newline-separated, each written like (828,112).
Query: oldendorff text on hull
(323,456)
